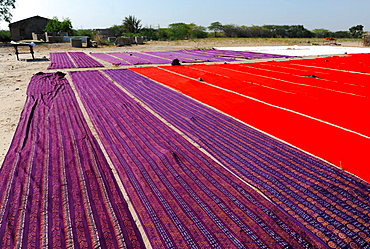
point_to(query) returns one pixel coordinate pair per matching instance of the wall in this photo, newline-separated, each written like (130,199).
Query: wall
(22,30)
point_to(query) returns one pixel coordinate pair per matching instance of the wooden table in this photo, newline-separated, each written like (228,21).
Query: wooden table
(16,45)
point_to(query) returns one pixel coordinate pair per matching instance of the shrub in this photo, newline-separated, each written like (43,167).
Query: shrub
(5,36)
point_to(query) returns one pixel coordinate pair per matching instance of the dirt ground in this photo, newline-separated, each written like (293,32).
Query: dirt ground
(15,75)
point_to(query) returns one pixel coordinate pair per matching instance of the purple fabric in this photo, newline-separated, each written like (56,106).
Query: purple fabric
(84,61)
(130,58)
(311,190)
(198,57)
(60,61)
(172,55)
(110,59)
(238,54)
(151,59)
(206,56)
(183,198)
(56,188)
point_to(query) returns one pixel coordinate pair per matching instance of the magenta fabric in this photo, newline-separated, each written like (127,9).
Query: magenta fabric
(56,188)
(110,59)
(60,61)
(182,197)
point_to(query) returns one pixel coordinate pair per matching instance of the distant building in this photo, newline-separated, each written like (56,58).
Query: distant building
(103,34)
(23,29)
(366,38)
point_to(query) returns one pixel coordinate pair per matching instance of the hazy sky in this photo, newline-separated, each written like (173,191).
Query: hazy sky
(330,14)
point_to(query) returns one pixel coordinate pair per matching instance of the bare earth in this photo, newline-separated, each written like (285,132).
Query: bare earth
(15,75)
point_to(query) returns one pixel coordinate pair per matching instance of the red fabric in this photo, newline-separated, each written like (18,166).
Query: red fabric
(342,148)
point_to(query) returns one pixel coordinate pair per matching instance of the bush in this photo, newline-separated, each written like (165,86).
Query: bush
(5,36)
(54,25)
(83,32)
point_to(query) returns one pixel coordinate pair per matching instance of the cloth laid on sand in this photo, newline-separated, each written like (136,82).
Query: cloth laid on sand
(56,188)
(330,202)
(72,60)
(182,197)
(110,59)
(60,61)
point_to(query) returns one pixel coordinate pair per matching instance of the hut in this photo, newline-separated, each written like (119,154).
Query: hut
(23,29)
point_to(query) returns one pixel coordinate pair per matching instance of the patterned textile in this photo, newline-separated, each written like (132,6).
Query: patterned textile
(331,203)
(56,188)
(182,197)
(72,60)
(60,61)
(110,59)
(347,150)
(82,60)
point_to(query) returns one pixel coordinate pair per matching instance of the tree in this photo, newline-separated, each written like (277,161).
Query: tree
(356,31)
(342,34)
(66,25)
(322,33)
(197,31)
(54,25)
(118,29)
(178,31)
(131,24)
(5,7)
(232,30)
(5,36)
(215,27)
(298,31)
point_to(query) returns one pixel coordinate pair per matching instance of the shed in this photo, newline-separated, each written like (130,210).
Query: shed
(23,29)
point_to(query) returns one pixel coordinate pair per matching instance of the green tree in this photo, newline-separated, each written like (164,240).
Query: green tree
(83,32)
(356,31)
(150,33)
(131,24)
(66,25)
(231,30)
(5,36)
(256,31)
(197,31)
(54,25)
(118,29)
(5,7)
(163,34)
(178,31)
(215,27)
(342,34)
(322,33)
(298,31)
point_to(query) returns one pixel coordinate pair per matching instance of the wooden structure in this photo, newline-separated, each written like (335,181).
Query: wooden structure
(16,45)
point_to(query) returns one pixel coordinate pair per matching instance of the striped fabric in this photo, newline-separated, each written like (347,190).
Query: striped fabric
(60,61)
(82,60)
(182,197)
(130,58)
(56,188)
(173,55)
(110,59)
(151,59)
(331,203)
(236,54)
(72,60)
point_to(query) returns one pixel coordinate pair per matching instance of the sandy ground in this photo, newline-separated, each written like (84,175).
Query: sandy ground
(15,75)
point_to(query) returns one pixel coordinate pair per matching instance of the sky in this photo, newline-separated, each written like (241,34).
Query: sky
(333,15)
